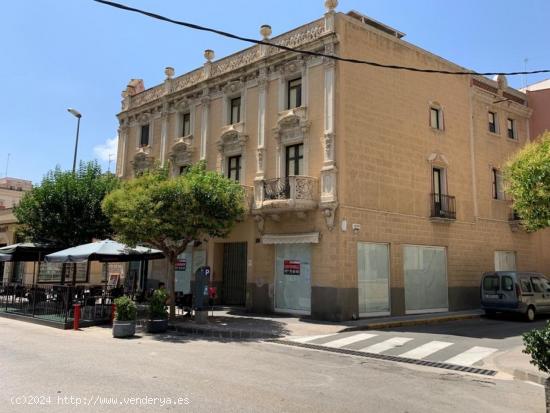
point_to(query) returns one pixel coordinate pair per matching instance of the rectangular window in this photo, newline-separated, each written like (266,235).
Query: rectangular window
(492,122)
(498,187)
(511,128)
(537,285)
(507,283)
(435,118)
(144,137)
(294,93)
(186,124)
(505,261)
(491,283)
(526,285)
(52,272)
(234,168)
(437,181)
(295,159)
(235,110)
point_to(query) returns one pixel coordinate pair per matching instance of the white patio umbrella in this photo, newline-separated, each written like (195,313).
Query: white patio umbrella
(104,251)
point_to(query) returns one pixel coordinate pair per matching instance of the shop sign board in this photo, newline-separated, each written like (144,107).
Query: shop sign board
(181,264)
(291,267)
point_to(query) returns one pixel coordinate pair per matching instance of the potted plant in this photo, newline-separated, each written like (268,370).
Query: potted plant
(158,315)
(124,324)
(537,345)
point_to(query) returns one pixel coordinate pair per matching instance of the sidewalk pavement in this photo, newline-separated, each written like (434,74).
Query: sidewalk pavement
(516,363)
(236,323)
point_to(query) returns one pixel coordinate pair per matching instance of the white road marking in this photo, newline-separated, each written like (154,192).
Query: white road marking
(341,342)
(426,349)
(471,356)
(386,345)
(307,339)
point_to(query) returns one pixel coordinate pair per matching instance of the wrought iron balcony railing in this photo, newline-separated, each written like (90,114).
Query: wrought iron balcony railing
(278,188)
(443,206)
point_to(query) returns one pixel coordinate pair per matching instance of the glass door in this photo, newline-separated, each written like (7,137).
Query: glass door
(373,278)
(293,278)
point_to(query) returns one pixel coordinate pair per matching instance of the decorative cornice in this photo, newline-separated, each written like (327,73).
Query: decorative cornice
(296,38)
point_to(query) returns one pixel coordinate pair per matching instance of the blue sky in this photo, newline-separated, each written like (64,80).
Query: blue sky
(57,54)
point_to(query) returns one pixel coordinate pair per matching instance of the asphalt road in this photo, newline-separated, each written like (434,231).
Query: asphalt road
(62,368)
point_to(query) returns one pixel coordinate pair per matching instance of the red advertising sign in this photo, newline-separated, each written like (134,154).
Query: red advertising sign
(181,264)
(291,267)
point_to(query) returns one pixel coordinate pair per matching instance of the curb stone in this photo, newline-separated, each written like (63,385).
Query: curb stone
(221,333)
(409,323)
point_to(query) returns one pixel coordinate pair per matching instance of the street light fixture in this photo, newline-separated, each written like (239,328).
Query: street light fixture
(78,115)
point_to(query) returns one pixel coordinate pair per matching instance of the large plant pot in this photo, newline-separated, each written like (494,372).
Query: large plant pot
(122,329)
(156,326)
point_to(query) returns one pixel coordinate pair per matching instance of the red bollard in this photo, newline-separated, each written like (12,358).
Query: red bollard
(76,319)
(113,310)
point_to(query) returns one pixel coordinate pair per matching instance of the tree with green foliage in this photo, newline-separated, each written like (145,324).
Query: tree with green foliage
(65,209)
(528,182)
(537,345)
(168,213)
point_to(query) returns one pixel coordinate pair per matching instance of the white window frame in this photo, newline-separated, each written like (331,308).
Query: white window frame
(510,252)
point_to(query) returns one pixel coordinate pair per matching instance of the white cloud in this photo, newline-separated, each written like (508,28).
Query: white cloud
(106,149)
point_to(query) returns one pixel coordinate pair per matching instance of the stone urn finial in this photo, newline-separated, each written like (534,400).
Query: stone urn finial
(265,31)
(330,5)
(209,55)
(169,72)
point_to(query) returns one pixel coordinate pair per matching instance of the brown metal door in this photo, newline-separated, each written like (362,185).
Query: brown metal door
(234,273)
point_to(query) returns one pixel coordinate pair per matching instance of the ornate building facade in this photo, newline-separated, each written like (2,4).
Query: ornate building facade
(370,191)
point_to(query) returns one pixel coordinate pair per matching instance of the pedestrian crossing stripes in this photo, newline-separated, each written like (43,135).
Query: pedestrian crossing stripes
(426,349)
(386,345)
(469,357)
(443,352)
(349,340)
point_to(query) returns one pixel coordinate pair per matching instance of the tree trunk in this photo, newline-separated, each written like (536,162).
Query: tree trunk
(547,391)
(172,285)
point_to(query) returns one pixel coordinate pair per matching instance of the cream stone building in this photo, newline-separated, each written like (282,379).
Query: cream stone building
(11,192)
(370,191)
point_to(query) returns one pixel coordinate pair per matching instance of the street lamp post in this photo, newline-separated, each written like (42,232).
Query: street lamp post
(78,115)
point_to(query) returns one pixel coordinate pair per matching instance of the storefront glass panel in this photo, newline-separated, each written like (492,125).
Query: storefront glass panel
(373,276)
(293,278)
(425,271)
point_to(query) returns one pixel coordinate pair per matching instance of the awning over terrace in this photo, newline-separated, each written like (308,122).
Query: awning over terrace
(28,251)
(104,251)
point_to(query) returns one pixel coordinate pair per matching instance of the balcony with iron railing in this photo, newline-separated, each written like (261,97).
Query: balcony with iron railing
(287,194)
(443,207)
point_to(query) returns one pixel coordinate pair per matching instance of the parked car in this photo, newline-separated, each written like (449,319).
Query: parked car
(527,293)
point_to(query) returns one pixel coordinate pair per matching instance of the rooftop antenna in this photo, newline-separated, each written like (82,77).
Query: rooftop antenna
(7,164)
(525,70)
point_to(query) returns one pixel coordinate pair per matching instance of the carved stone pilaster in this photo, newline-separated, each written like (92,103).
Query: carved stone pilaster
(330,49)
(328,146)
(260,166)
